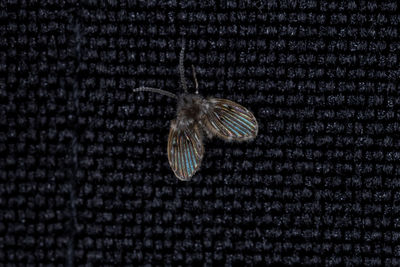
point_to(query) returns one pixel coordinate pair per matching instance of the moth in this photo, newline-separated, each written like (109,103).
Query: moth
(198,116)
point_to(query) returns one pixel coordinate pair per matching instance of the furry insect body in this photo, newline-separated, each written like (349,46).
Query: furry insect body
(191,109)
(197,115)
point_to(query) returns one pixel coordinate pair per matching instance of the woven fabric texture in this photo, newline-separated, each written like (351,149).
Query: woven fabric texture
(84,174)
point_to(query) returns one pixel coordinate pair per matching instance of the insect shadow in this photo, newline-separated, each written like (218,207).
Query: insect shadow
(198,117)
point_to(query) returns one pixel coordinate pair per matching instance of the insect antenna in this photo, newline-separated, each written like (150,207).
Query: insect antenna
(155,90)
(181,67)
(195,80)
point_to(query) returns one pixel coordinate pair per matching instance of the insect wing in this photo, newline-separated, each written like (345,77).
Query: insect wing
(185,150)
(231,121)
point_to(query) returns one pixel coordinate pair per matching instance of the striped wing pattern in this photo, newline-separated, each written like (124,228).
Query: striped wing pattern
(185,150)
(230,121)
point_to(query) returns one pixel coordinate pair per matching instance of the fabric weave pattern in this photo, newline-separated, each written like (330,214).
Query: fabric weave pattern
(84,174)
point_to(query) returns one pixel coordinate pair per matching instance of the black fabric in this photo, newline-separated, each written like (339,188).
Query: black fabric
(84,174)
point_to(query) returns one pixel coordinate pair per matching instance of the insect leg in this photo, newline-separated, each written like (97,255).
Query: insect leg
(154,90)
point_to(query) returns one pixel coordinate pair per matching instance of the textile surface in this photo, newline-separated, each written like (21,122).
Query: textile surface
(84,174)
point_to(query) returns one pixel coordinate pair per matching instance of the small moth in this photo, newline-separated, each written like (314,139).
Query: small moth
(197,115)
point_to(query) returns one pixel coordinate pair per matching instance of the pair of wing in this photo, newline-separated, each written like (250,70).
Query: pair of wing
(225,119)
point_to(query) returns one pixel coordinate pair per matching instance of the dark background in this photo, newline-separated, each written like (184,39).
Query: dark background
(84,175)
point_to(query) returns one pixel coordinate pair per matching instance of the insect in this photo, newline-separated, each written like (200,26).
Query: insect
(197,116)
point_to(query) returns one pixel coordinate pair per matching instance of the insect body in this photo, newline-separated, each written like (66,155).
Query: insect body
(197,116)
